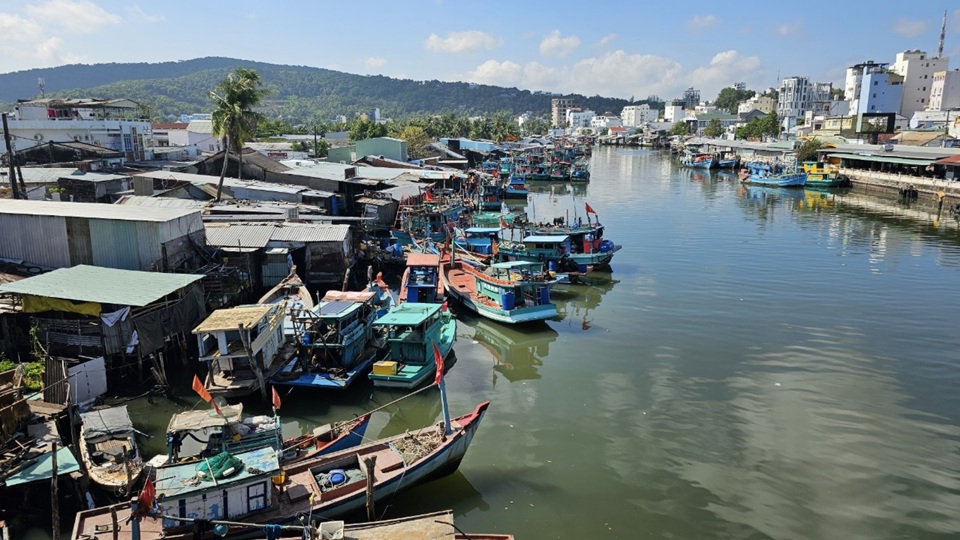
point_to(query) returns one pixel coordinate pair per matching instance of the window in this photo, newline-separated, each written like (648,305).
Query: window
(256,496)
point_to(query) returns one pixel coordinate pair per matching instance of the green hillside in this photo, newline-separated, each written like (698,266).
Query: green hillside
(299,94)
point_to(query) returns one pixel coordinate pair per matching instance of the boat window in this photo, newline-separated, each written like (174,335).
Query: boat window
(256,496)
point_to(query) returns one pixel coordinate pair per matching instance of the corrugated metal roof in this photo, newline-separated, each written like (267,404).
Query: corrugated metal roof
(161,202)
(884,159)
(84,283)
(92,210)
(305,232)
(200,126)
(239,236)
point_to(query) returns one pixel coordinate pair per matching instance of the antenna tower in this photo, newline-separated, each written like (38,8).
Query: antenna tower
(41,84)
(943,33)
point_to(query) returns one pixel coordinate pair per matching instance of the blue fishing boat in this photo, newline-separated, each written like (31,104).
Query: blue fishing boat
(412,329)
(580,245)
(697,160)
(490,196)
(516,187)
(338,342)
(508,292)
(477,240)
(580,172)
(427,221)
(560,172)
(763,174)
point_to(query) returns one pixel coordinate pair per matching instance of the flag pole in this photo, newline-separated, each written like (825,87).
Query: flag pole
(447,430)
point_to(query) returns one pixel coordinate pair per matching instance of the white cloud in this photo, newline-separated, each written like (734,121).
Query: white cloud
(554,45)
(137,14)
(605,40)
(16,28)
(789,29)
(909,29)
(724,69)
(77,16)
(373,62)
(461,42)
(702,21)
(620,74)
(496,73)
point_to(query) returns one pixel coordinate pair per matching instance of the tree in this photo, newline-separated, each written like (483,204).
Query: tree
(417,139)
(536,126)
(234,120)
(366,129)
(714,128)
(730,98)
(680,128)
(809,150)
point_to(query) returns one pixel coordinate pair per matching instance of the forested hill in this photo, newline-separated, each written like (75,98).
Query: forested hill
(298,93)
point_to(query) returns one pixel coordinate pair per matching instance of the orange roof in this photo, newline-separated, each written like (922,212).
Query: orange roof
(423,259)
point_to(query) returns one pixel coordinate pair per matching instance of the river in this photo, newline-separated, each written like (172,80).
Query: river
(758,364)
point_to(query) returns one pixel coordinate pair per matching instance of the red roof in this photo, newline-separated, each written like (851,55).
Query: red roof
(952,160)
(170,125)
(423,259)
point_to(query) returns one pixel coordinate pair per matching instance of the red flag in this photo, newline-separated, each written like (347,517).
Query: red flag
(503,223)
(276,398)
(439,359)
(427,196)
(590,210)
(199,389)
(443,307)
(148,495)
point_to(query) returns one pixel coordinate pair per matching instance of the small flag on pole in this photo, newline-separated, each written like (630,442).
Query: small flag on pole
(503,223)
(589,209)
(439,359)
(427,196)
(201,391)
(276,399)
(443,307)
(148,495)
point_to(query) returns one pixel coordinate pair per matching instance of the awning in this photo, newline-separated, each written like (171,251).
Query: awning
(885,159)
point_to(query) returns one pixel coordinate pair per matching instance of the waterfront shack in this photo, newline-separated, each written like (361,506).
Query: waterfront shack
(125,316)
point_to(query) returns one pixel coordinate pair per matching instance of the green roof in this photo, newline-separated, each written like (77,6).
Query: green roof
(41,467)
(885,159)
(408,314)
(84,283)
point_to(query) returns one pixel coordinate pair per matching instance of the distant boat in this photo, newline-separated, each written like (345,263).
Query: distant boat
(242,348)
(477,240)
(412,331)
(254,489)
(421,279)
(337,341)
(109,449)
(697,160)
(230,431)
(820,176)
(763,174)
(507,292)
(516,188)
(583,246)
(581,172)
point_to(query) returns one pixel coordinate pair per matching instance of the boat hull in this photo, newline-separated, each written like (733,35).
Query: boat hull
(413,372)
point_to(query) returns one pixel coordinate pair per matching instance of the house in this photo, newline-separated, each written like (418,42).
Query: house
(387,147)
(54,234)
(119,125)
(198,133)
(74,153)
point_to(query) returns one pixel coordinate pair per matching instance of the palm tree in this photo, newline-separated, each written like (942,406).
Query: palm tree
(234,120)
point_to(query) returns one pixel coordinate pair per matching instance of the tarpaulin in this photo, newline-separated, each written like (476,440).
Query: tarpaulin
(39,304)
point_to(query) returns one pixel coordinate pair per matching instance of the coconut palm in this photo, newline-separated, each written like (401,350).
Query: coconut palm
(234,120)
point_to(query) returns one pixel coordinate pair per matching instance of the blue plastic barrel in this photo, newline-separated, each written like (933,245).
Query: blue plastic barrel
(606,246)
(413,294)
(544,293)
(552,266)
(507,300)
(582,268)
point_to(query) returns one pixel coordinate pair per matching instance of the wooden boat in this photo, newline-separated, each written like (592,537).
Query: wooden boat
(507,292)
(412,331)
(109,449)
(490,196)
(581,172)
(229,431)
(337,342)
(260,492)
(516,188)
(477,240)
(581,245)
(820,176)
(243,347)
(776,176)
(292,293)
(421,279)
(560,172)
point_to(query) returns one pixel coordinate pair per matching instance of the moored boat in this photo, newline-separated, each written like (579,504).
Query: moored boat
(764,174)
(507,292)
(412,331)
(109,449)
(292,293)
(821,176)
(421,279)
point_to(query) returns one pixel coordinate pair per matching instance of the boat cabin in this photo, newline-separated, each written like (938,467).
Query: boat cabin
(422,278)
(480,239)
(206,433)
(546,247)
(409,328)
(182,492)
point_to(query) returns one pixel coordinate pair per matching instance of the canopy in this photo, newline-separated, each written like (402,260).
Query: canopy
(104,422)
(203,419)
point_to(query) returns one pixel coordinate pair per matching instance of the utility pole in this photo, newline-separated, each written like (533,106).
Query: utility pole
(6,139)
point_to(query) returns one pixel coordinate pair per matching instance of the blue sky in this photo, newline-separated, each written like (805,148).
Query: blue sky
(615,48)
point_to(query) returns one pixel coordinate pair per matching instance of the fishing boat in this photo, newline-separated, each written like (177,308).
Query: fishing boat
(821,176)
(508,292)
(429,220)
(560,172)
(412,331)
(697,160)
(476,240)
(338,342)
(227,430)
(764,174)
(580,245)
(254,489)
(109,449)
(727,160)
(516,188)
(292,293)
(421,279)
(490,196)
(242,348)
(580,172)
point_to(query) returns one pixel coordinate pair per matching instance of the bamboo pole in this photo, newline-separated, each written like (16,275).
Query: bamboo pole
(370,464)
(54,500)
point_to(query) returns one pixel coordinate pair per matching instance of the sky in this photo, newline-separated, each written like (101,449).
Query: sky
(622,48)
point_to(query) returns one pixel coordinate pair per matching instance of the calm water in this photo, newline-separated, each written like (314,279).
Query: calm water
(761,364)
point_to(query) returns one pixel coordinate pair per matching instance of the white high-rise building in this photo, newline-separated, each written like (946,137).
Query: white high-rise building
(917,70)
(637,115)
(945,92)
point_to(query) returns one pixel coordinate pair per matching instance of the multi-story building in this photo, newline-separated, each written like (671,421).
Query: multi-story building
(558,111)
(945,92)
(638,115)
(605,121)
(881,91)
(917,70)
(798,95)
(673,111)
(763,103)
(117,124)
(691,98)
(579,119)
(854,80)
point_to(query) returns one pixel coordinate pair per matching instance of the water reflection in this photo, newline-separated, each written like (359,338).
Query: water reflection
(433,496)
(576,303)
(517,352)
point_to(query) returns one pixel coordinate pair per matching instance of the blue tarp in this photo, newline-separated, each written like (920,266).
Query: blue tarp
(42,468)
